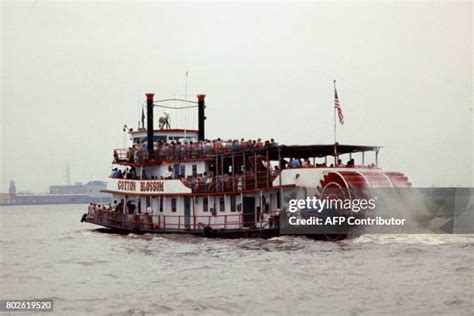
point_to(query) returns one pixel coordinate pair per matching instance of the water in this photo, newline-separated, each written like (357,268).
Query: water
(47,253)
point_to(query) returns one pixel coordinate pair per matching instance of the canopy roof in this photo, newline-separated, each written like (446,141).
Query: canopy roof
(306,151)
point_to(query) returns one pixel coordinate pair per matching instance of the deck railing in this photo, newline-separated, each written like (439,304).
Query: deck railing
(168,151)
(160,222)
(228,183)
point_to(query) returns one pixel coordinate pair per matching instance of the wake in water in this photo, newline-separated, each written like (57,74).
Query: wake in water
(425,211)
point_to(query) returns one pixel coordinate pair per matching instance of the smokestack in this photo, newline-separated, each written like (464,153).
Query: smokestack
(201,116)
(149,123)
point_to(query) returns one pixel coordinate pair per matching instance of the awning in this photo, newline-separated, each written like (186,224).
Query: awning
(306,151)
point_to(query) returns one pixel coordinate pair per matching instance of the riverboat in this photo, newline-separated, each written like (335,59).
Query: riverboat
(177,181)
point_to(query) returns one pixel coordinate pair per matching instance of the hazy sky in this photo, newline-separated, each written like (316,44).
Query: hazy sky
(73,73)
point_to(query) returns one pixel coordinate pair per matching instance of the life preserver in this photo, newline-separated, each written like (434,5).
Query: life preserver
(208,232)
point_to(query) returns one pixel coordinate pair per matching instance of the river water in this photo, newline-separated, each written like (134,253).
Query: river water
(47,253)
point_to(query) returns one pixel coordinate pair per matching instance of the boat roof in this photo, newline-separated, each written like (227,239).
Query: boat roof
(164,131)
(302,151)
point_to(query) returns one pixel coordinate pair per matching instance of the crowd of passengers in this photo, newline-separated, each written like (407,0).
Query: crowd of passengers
(177,150)
(128,173)
(130,208)
(115,207)
(200,181)
(306,163)
(131,173)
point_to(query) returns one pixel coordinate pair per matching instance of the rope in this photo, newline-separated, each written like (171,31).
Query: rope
(176,107)
(182,100)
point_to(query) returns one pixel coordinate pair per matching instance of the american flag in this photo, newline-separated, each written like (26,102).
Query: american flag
(338,107)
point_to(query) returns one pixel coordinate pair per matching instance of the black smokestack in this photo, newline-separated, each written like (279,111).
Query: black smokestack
(149,123)
(201,116)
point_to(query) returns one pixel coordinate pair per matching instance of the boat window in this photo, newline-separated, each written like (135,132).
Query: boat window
(182,171)
(173,205)
(205,204)
(148,202)
(195,170)
(278,200)
(222,204)
(161,204)
(232,203)
(176,171)
(158,138)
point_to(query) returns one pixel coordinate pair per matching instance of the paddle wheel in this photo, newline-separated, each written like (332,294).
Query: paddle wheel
(357,184)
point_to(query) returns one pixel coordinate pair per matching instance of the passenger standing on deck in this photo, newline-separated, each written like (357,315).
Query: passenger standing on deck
(276,171)
(294,163)
(169,173)
(143,151)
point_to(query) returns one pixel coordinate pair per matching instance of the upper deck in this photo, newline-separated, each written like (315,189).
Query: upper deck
(153,147)
(164,135)
(205,150)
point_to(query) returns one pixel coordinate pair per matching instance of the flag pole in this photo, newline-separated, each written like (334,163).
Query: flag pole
(335,139)
(185,97)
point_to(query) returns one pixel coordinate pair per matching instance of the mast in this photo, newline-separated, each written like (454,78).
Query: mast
(149,127)
(335,139)
(185,97)
(201,116)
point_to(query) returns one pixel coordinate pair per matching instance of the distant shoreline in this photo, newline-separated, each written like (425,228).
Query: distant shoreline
(46,199)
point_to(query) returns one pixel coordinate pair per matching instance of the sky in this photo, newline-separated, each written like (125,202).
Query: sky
(73,73)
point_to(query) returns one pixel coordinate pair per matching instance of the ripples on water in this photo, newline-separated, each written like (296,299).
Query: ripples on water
(46,252)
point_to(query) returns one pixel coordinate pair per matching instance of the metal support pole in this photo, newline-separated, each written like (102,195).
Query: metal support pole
(244,180)
(222,172)
(268,168)
(281,167)
(255,167)
(363,158)
(233,170)
(377,157)
(125,208)
(216,173)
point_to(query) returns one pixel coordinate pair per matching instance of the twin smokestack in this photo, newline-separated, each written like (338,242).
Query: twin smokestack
(149,118)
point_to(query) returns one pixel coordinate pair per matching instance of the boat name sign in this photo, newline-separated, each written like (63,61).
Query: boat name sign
(145,186)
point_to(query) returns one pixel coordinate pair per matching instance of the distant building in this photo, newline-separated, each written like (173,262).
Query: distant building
(5,199)
(12,188)
(91,188)
(59,194)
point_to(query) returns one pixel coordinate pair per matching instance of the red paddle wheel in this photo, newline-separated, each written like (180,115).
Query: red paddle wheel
(338,184)
(356,185)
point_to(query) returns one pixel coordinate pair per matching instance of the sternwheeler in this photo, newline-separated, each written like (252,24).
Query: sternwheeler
(178,181)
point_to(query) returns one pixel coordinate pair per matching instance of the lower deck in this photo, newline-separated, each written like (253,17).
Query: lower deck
(235,225)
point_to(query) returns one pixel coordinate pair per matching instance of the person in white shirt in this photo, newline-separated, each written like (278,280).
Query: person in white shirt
(169,173)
